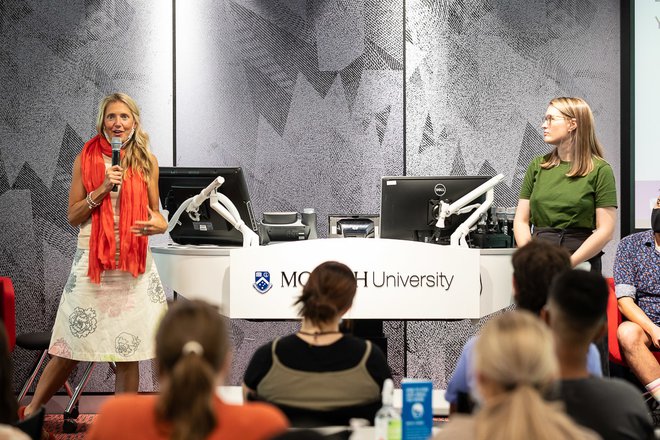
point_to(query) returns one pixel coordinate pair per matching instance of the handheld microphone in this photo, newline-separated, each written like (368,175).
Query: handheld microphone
(116,147)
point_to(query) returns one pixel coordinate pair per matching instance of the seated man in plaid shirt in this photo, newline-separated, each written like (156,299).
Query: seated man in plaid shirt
(637,280)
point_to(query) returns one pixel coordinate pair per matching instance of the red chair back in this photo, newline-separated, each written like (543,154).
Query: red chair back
(8,309)
(613,321)
(614,318)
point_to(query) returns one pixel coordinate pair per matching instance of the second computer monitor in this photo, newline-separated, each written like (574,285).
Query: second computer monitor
(409,205)
(177,184)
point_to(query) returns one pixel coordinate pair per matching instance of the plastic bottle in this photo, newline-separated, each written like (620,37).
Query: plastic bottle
(388,421)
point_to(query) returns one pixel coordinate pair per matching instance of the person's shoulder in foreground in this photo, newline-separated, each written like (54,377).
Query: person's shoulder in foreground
(134,416)
(632,248)
(611,407)
(637,239)
(459,427)
(254,420)
(11,433)
(635,265)
(461,380)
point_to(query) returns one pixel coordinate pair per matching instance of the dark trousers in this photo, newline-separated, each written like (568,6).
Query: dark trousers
(571,240)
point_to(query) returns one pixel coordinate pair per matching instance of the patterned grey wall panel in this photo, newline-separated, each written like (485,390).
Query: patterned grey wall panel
(479,75)
(306,96)
(57,60)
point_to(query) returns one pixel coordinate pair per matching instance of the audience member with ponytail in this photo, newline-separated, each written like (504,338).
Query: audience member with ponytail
(192,352)
(318,371)
(515,365)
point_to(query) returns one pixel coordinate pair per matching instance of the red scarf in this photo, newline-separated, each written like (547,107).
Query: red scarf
(133,201)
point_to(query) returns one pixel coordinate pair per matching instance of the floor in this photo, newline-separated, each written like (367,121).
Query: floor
(54,424)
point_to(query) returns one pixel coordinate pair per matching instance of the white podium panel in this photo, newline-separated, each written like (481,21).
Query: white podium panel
(396,279)
(195,272)
(496,276)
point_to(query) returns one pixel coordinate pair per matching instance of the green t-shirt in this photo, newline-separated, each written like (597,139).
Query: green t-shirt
(557,201)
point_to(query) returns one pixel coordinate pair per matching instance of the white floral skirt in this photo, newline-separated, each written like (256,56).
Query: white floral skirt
(114,321)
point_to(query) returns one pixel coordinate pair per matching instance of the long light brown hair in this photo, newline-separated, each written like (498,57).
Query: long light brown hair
(515,352)
(585,143)
(191,349)
(136,156)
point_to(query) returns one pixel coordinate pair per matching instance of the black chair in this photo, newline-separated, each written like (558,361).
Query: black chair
(33,424)
(464,403)
(40,341)
(309,418)
(309,434)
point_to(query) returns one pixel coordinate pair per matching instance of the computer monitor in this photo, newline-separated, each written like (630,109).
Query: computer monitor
(409,205)
(177,184)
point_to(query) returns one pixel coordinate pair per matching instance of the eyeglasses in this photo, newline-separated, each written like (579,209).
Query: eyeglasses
(547,119)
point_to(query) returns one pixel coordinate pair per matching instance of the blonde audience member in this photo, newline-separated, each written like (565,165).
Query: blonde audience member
(192,352)
(515,363)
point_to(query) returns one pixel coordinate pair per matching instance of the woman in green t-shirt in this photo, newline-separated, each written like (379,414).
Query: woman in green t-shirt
(569,196)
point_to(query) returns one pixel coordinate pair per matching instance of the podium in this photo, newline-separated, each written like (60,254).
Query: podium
(397,280)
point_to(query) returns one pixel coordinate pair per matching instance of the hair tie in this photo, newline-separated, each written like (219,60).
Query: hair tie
(192,347)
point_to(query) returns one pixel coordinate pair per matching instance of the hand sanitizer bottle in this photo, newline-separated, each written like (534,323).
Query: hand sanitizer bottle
(388,421)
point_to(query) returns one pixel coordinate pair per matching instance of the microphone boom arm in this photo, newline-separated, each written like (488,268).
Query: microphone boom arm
(459,206)
(221,204)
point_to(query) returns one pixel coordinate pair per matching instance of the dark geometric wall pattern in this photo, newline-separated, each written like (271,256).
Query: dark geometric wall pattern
(307,96)
(315,84)
(479,76)
(57,60)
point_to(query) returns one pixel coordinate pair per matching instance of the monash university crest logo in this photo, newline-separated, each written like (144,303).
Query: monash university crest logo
(262,282)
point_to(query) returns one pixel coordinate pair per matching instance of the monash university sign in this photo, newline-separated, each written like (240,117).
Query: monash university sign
(381,279)
(396,279)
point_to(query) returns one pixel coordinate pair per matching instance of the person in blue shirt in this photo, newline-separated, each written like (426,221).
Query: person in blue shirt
(534,267)
(637,286)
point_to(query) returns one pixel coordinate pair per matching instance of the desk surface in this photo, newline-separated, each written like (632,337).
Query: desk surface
(213,250)
(234,395)
(208,250)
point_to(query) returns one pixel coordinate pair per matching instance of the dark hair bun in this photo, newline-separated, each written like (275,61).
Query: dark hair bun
(328,292)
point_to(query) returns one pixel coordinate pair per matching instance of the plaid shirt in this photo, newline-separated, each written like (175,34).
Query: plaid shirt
(637,272)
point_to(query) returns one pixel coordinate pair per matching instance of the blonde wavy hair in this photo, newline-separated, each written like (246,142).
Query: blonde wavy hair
(585,143)
(136,156)
(515,353)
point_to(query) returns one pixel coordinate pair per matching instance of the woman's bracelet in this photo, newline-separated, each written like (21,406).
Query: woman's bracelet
(91,204)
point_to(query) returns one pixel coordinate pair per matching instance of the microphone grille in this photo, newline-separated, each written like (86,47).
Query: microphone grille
(116,143)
